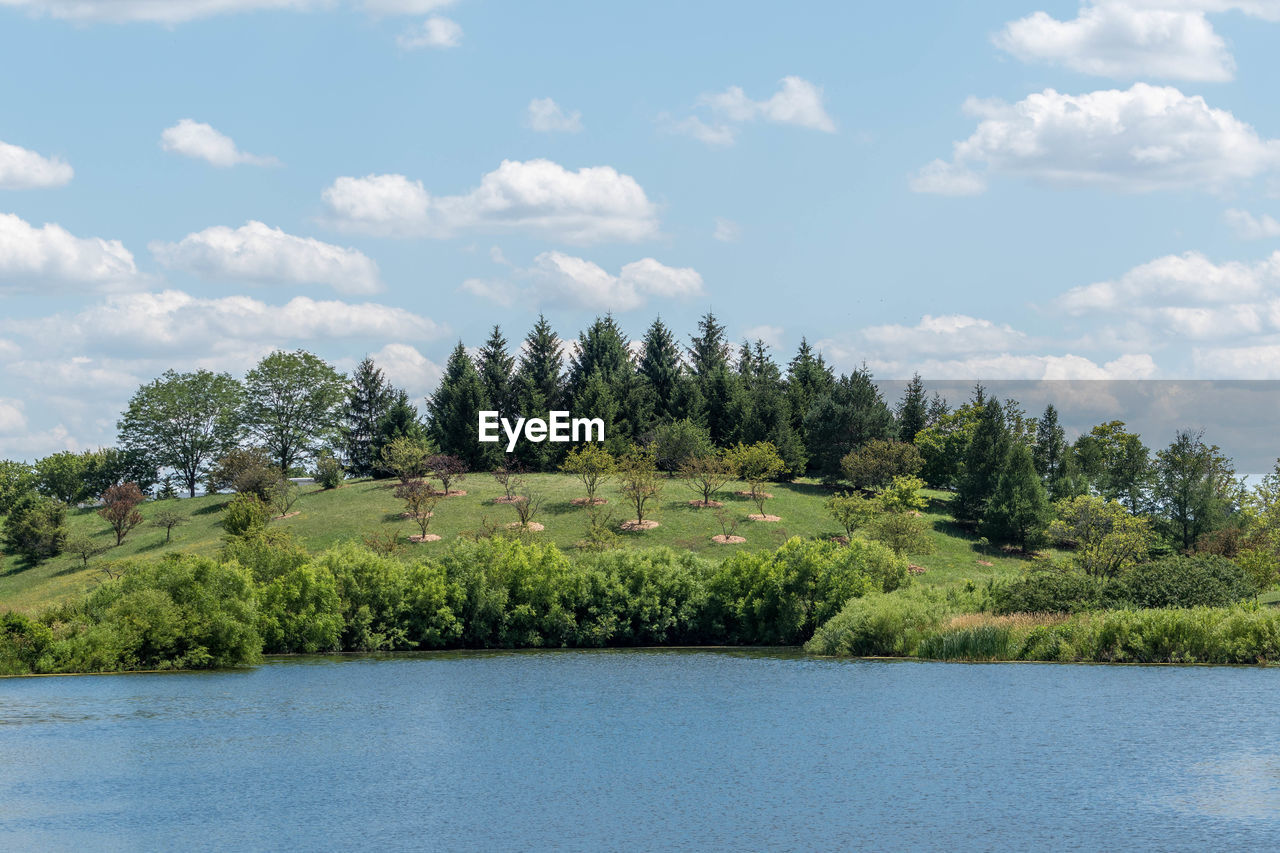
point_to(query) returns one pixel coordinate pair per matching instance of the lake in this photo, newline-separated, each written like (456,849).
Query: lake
(642,750)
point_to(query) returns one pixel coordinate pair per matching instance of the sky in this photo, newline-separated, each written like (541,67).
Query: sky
(1025,190)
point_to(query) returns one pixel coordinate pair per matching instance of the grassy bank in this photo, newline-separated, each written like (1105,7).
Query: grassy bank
(358,509)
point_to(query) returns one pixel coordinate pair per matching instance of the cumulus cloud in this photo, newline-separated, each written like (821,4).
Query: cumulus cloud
(200,141)
(258,253)
(594,204)
(409,369)
(1141,139)
(558,278)
(771,335)
(797,102)
(1125,41)
(546,116)
(50,254)
(21,169)
(727,231)
(943,178)
(1250,227)
(1254,362)
(951,334)
(434,32)
(159,11)
(13,419)
(503,293)
(405,7)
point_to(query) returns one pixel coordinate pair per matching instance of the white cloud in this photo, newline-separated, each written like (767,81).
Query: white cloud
(51,254)
(434,32)
(33,445)
(727,231)
(198,140)
(503,293)
(567,279)
(1254,362)
(797,102)
(405,7)
(546,116)
(159,11)
(1112,39)
(947,334)
(12,418)
(21,169)
(593,204)
(172,321)
(943,178)
(259,253)
(409,369)
(771,335)
(1250,227)
(1142,139)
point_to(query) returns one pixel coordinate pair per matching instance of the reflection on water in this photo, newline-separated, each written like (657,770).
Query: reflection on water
(650,749)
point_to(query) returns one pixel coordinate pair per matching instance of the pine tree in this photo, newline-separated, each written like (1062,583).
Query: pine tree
(1018,510)
(808,379)
(602,353)
(660,369)
(454,409)
(709,350)
(912,411)
(540,385)
(844,419)
(497,371)
(369,398)
(983,461)
(1050,449)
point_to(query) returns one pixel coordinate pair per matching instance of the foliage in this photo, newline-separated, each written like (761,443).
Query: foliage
(879,461)
(1194,490)
(34,527)
(406,457)
(851,511)
(420,501)
(1106,539)
(508,475)
(446,468)
(167,519)
(592,465)
(244,470)
(63,476)
(1051,589)
(291,405)
(706,474)
(902,494)
(984,459)
(120,509)
(184,421)
(83,547)
(284,494)
(454,409)
(678,442)
(1018,510)
(848,416)
(369,399)
(756,463)
(1200,581)
(903,532)
(16,479)
(244,514)
(639,480)
(882,625)
(329,474)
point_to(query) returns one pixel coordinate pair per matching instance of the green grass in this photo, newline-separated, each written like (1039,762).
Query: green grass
(363,507)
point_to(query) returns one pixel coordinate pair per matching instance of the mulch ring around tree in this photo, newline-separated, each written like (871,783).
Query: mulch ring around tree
(916,570)
(415,515)
(534,526)
(633,525)
(722,539)
(985,563)
(430,537)
(514,499)
(705,504)
(747,494)
(455,493)
(288,515)
(842,540)
(583,501)
(755,516)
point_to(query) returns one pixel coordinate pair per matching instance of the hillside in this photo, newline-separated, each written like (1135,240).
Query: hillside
(361,508)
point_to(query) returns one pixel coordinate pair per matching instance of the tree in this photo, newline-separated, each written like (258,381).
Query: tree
(944,442)
(1104,537)
(660,370)
(808,379)
(245,514)
(369,398)
(600,361)
(64,477)
(1194,488)
(878,461)
(851,511)
(984,459)
(35,527)
(639,481)
(420,501)
(757,463)
(291,404)
(852,414)
(912,410)
(902,532)
(676,442)
(540,384)
(709,349)
(707,474)
(329,473)
(284,493)
(166,520)
(406,457)
(16,479)
(244,470)
(120,509)
(184,422)
(454,409)
(84,548)
(497,368)
(1051,454)
(111,466)
(593,466)
(1018,510)
(508,474)
(902,494)
(400,421)
(448,469)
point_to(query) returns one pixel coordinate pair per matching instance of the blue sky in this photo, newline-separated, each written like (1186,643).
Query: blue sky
(995,190)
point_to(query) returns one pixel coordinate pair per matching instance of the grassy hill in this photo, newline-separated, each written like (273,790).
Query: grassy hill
(360,508)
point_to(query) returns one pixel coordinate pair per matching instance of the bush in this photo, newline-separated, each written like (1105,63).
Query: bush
(265,552)
(246,471)
(674,444)
(328,472)
(879,461)
(35,527)
(1050,589)
(1200,581)
(244,514)
(882,625)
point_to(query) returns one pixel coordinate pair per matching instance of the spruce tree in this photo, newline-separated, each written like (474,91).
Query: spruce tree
(708,350)
(540,385)
(659,369)
(454,409)
(602,353)
(844,419)
(497,371)
(808,379)
(1050,448)
(912,411)
(369,398)
(983,461)
(1018,510)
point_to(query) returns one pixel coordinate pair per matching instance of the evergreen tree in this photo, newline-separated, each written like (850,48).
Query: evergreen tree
(540,385)
(808,378)
(454,409)
(763,411)
(844,419)
(602,353)
(709,349)
(369,398)
(497,374)
(1018,510)
(722,402)
(660,369)
(912,411)
(1049,453)
(983,461)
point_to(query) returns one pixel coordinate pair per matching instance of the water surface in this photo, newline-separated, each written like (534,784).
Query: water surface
(645,750)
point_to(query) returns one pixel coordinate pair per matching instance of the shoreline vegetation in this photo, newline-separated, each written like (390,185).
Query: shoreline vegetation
(734,501)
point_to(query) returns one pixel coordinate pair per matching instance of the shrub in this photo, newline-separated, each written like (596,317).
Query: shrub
(592,465)
(243,514)
(246,471)
(329,473)
(267,553)
(35,527)
(166,520)
(300,611)
(1200,581)
(675,443)
(120,509)
(707,474)
(879,461)
(1050,589)
(882,625)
